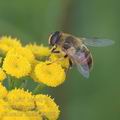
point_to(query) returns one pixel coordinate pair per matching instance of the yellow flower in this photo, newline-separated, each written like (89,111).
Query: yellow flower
(21,100)
(34,115)
(2,75)
(15,115)
(60,59)
(3,91)
(4,107)
(38,50)
(6,43)
(16,65)
(25,52)
(50,74)
(47,107)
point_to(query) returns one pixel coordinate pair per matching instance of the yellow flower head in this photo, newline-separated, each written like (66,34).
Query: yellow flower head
(47,107)
(50,74)
(25,52)
(16,65)
(4,107)
(38,50)
(3,91)
(15,115)
(2,74)
(6,43)
(21,100)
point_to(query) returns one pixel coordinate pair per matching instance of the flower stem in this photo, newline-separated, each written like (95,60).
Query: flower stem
(10,83)
(38,88)
(24,84)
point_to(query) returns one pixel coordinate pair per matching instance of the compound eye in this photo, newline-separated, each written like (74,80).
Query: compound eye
(54,38)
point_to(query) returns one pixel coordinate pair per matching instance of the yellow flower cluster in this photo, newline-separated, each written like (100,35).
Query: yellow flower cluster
(18,61)
(19,104)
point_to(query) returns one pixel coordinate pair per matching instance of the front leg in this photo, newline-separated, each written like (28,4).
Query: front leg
(54,50)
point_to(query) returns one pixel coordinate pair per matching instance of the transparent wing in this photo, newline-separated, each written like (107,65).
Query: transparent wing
(83,69)
(97,42)
(81,62)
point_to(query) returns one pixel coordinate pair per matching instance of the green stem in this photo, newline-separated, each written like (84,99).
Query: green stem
(38,88)
(10,82)
(24,84)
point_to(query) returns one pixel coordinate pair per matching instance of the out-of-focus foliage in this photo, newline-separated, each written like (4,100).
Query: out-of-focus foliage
(94,99)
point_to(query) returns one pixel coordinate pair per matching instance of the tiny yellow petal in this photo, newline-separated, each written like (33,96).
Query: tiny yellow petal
(50,74)
(47,107)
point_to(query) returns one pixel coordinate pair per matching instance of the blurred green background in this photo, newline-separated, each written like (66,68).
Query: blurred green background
(33,20)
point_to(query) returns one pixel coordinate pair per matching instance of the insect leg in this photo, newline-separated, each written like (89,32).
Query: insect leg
(54,50)
(65,56)
(71,64)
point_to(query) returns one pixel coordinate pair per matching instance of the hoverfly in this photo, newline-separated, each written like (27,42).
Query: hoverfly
(76,49)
